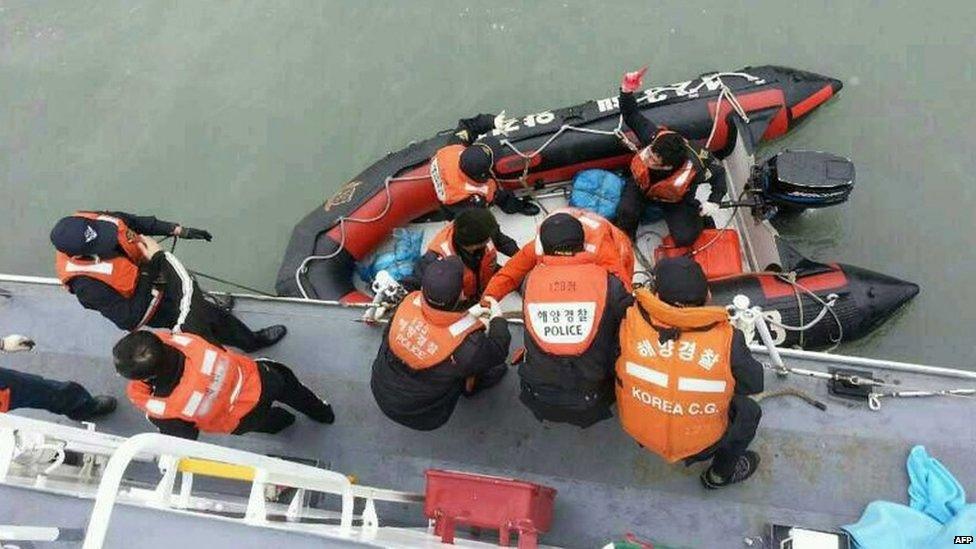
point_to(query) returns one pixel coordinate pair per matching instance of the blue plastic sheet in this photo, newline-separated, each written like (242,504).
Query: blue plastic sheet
(407,249)
(597,191)
(936,514)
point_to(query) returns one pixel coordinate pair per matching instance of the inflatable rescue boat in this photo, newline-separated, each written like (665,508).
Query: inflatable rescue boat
(809,304)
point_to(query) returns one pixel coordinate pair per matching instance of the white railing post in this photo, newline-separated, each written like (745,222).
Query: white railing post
(257,511)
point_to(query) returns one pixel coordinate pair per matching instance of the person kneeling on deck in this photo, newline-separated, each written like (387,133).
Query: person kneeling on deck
(683,377)
(108,261)
(463,177)
(67,398)
(468,237)
(610,247)
(433,352)
(667,171)
(572,308)
(186,385)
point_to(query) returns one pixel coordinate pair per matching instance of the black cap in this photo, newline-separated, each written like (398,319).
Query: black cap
(75,235)
(561,233)
(680,281)
(443,282)
(476,162)
(474,226)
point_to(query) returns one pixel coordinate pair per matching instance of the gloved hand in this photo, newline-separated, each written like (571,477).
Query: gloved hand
(632,81)
(709,209)
(494,309)
(16,343)
(499,122)
(189,233)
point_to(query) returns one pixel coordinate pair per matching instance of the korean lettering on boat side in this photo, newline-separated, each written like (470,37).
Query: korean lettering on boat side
(689,88)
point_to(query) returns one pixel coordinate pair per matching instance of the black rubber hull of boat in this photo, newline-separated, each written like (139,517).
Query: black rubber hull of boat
(775,98)
(865,299)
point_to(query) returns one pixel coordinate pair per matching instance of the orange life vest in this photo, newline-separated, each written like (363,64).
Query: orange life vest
(422,336)
(451,184)
(121,272)
(563,303)
(607,244)
(217,390)
(4,400)
(673,397)
(672,188)
(474,284)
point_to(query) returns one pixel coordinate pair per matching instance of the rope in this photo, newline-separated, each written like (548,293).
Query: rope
(303,267)
(172,249)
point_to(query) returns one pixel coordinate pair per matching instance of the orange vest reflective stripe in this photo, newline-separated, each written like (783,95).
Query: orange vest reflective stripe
(4,400)
(672,188)
(451,184)
(673,397)
(608,245)
(563,303)
(121,273)
(443,245)
(423,337)
(217,390)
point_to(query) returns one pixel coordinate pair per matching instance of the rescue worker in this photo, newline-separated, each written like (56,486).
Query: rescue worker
(683,377)
(666,171)
(186,385)
(572,308)
(108,261)
(66,398)
(462,175)
(433,352)
(468,238)
(612,248)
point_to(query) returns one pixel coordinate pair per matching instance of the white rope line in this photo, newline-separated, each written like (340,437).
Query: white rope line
(303,267)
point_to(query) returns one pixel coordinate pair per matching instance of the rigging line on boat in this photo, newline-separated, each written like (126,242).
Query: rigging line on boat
(794,392)
(303,267)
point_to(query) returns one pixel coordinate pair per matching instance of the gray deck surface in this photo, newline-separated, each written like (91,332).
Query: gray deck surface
(819,469)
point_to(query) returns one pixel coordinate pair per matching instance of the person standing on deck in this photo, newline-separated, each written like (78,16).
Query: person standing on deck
(572,306)
(666,171)
(186,385)
(684,376)
(66,398)
(462,175)
(434,351)
(612,248)
(468,238)
(108,261)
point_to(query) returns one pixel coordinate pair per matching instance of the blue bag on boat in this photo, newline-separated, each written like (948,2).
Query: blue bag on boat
(407,249)
(597,191)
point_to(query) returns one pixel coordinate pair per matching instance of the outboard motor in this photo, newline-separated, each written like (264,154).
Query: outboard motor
(793,181)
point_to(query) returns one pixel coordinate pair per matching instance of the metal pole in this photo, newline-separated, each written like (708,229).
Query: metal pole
(879,364)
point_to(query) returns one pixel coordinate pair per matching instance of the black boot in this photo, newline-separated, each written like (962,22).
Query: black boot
(744,468)
(325,414)
(487,380)
(103,405)
(271,335)
(528,208)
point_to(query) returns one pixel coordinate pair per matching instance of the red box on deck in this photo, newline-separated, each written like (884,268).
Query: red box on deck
(488,502)
(721,258)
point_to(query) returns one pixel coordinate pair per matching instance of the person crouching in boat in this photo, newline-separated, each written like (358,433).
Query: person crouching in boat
(666,171)
(433,352)
(463,177)
(572,307)
(187,385)
(108,261)
(468,238)
(610,246)
(67,398)
(683,377)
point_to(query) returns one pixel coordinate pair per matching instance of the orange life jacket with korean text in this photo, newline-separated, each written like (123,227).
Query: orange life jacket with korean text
(422,336)
(121,273)
(451,184)
(474,283)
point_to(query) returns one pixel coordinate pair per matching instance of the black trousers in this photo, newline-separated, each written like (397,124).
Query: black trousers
(683,219)
(581,411)
(744,416)
(216,324)
(66,398)
(279,384)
